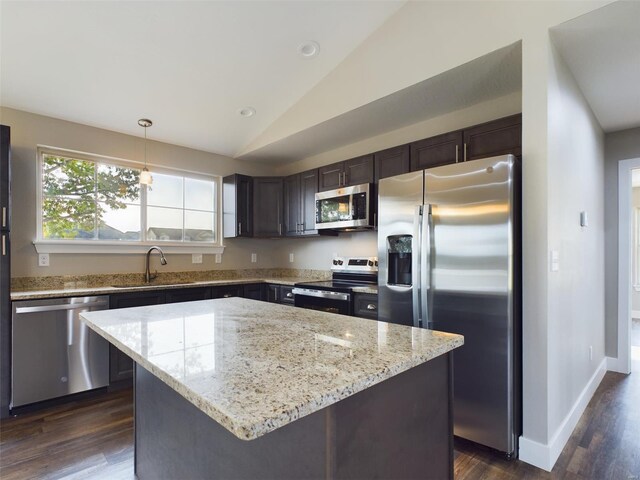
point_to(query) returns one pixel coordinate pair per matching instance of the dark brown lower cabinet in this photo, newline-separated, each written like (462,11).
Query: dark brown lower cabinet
(227,291)
(120,364)
(280,294)
(365,305)
(188,294)
(254,291)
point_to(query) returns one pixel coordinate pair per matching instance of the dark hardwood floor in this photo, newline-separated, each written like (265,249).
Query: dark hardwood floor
(94,439)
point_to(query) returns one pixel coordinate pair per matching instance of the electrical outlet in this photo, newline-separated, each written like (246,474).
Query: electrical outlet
(43,260)
(196,258)
(555,261)
(291,258)
(218,258)
(254,257)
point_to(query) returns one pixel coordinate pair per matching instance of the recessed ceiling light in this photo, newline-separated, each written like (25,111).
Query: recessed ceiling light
(309,49)
(247,111)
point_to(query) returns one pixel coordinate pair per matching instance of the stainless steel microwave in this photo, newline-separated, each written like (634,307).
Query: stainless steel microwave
(346,208)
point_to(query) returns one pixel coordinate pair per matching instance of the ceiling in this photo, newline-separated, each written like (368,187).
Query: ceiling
(490,76)
(188,66)
(602,50)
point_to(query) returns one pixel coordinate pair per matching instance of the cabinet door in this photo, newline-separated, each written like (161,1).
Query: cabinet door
(267,206)
(227,291)
(237,194)
(254,291)
(391,162)
(273,293)
(5,178)
(365,305)
(330,176)
(358,170)
(292,207)
(435,151)
(309,188)
(188,294)
(120,364)
(498,137)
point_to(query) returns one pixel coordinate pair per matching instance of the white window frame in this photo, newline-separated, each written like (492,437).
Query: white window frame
(123,247)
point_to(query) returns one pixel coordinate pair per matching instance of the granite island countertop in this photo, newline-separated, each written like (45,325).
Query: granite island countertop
(254,366)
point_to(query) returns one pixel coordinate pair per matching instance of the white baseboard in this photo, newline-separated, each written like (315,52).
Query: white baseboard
(614,365)
(635,313)
(545,455)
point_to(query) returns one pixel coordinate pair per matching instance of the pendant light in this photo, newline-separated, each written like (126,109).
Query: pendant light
(145,174)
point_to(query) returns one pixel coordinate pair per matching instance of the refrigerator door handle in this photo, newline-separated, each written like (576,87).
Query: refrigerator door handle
(425,265)
(416,291)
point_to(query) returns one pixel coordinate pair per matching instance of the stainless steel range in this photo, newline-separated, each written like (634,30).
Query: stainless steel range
(336,295)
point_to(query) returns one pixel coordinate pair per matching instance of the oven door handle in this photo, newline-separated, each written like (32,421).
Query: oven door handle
(345,297)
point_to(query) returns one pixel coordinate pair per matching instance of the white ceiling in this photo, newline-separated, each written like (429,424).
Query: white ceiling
(490,76)
(188,66)
(602,50)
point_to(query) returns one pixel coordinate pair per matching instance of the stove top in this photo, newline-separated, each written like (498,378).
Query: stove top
(347,274)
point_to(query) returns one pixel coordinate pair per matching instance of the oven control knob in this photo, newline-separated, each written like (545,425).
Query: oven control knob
(370,263)
(340,262)
(335,262)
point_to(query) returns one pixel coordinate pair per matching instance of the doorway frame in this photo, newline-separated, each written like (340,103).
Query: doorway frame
(625,241)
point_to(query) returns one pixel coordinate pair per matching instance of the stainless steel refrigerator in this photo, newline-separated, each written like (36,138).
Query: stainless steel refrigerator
(449,260)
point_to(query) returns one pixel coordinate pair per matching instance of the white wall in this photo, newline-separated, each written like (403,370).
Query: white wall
(575,293)
(623,145)
(635,294)
(29,130)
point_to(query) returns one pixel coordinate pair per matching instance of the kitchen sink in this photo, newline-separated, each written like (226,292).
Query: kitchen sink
(153,284)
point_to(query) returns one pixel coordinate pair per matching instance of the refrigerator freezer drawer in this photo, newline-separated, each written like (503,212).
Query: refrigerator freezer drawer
(54,353)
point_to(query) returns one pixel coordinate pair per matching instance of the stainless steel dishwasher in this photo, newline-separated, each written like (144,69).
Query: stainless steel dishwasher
(53,352)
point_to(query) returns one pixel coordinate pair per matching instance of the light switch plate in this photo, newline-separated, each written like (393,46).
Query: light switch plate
(196,258)
(218,258)
(554,260)
(291,258)
(254,257)
(43,260)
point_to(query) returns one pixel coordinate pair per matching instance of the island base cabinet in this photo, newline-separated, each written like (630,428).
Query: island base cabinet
(399,428)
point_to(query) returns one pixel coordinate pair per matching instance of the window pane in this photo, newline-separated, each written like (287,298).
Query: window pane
(198,226)
(122,223)
(118,185)
(166,191)
(198,194)
(66,176)
(68,218)
(164,224)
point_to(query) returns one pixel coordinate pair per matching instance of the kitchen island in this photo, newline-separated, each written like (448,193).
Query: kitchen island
(237,388)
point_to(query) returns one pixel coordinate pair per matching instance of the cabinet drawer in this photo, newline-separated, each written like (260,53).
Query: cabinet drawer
(365,305)
(286,295)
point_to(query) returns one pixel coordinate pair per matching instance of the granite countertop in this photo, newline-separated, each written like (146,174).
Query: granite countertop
(79,292)
(254,366)
(371,289)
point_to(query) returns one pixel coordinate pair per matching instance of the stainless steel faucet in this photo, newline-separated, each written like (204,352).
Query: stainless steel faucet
(147,274)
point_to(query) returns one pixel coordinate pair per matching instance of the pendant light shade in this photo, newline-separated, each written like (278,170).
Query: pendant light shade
(145,174)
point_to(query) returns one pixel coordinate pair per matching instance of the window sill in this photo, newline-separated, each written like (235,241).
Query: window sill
(79,247)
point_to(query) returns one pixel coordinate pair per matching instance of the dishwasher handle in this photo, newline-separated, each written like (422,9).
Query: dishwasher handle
(68,306)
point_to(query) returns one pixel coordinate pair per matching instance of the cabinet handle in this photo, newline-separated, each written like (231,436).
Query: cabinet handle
(239,228)
(289,295)
(465,151)
(457,152)
(279,229)
(372,306)
(227,295)
(344,179)
(4,245)
(4,216)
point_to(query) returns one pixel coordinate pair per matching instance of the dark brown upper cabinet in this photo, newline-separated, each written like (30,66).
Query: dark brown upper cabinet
(344,174)
(237,197)
(391,162)
(435,151)
(300,204)
(267,207)
(498,137)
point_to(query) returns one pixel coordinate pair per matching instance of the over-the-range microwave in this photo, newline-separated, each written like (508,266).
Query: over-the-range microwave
(347,208)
